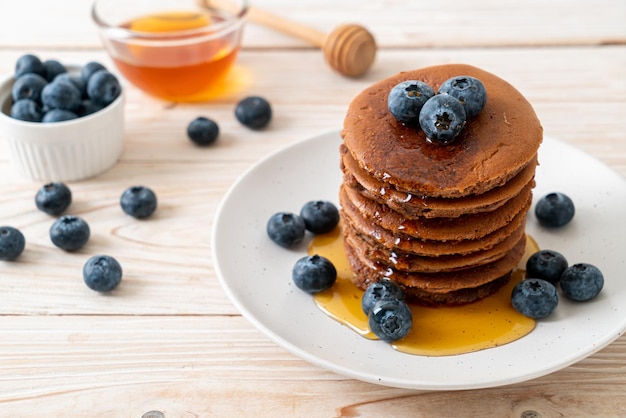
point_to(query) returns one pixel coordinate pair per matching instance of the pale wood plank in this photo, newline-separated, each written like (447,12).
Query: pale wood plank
(394,23)
(220,366)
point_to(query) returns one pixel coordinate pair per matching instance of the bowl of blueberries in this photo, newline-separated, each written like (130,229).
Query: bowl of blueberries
(61,122)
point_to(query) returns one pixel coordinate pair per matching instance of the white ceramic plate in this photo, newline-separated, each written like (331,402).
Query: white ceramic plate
(256,273)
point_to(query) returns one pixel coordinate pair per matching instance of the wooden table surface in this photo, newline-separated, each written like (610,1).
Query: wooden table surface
(169,339)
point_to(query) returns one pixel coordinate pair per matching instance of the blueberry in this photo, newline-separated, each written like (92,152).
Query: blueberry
(314,274)
(390,319)
(53,69)
(138,201)
(406,99)
(58,115)
(546,265)
(384,289)
(102,273)
(254,112)
(103,88)
(29,63)
(28,86)
(469,91)
(12,243)
(75,80)
(53,198)
(69,232)
(581,282)
(203,131)
(442,118)
(554,210)
(319,216)
(286,229)
(534,298)
(61,94)
(89,69)
(27,110)
(87,107)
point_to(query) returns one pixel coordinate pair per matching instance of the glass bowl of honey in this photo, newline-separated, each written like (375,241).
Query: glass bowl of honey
(176,50)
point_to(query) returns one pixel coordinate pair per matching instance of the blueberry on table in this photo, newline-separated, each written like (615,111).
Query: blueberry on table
(286,229)
(138,201)
(377,291)
(53,198)
(534,298)
(319,216)
(26,110)
(469,91)
(58,115)
(547,265)
(61,94)
(254,112)
(28,86)
(102,273)
(203,131)
(314,274)
(406,99)
(53,68)
(89,69)
(442,118)
(582,282)
(69,232)
(29,63)
(390,319)
(103,88)
(12,243)
(554,210)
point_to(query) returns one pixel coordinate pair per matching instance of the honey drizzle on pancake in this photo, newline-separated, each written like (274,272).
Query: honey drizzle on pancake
(438,331)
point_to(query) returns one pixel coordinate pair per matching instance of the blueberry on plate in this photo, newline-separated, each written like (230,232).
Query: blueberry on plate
(53,69)
(534,298)
(61,94)
(138,201)
(90,69)
(442,118)
(102,273)
(69,232)
(12,243)
(286,229)
(390,319)
(469,91)
(314,274)
(103,88)
(29,63)
(320,216)
(58,115)
(254,112)
(26,110)
(28,86)
(384,289)
(554,210)
(406,99)
(582,282)
(53,198)
(203,131)
(546,265)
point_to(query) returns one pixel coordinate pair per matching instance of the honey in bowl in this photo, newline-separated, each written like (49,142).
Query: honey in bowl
(188,63)
(437,331)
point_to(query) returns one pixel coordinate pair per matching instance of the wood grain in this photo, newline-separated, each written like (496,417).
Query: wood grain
(168,339)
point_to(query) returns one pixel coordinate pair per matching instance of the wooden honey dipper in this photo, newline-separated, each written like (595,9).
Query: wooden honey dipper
(349,49)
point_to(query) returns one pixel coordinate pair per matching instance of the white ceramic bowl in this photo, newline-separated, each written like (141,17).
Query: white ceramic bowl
(63,151)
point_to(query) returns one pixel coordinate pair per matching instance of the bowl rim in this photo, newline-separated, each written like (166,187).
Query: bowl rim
(214,30)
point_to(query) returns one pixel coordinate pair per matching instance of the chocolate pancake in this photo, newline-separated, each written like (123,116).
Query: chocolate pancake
(492,148)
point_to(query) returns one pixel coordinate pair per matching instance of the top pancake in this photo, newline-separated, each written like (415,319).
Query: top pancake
(492,148)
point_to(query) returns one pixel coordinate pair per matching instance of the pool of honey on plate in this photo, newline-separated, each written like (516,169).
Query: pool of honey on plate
(437,331)
(185,71)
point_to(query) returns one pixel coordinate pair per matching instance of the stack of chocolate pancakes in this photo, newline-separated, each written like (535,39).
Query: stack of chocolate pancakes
(446,222)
